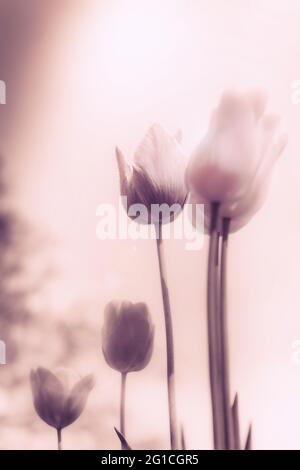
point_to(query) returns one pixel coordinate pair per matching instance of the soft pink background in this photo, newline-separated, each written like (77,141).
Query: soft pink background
(83,76)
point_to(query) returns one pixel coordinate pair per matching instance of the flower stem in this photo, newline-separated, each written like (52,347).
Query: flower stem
(169,340)
(213,329)
(122,403)
(226,405)
(59,445)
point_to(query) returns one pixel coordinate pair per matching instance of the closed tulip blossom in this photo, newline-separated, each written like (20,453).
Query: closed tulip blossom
(60,397)
(232,166)
(127,341)
(127,336)
(156,178)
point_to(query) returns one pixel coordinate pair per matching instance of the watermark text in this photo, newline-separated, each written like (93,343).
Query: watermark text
(137,222)
(2,92)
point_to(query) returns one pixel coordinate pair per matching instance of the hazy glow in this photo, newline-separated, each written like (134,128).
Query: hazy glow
(100,77)
(137,39)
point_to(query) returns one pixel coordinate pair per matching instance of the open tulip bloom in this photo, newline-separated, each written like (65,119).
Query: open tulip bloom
(154,184)
(156,192)
(127,342)
(59,398)
(229,172)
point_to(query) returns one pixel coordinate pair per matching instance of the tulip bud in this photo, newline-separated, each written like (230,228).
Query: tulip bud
(60,397)
(127,336)
(155,179)
(233,164)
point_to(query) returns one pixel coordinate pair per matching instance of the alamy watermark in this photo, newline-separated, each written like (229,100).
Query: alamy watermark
(2,92)
(137,222)
(295,356)
(295,92)
(2,353)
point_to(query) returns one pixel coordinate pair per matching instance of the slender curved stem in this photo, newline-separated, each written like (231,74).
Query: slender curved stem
(122,403)
(226,404)
(169,341)
(59,445)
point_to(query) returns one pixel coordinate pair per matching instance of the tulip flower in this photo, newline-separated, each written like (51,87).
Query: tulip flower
(156,193)
(127,342)
(232,166)
(155,179)
(127,336)
(60,397)
(230,172)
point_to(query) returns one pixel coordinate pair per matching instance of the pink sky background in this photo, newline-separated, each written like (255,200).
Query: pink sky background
(85,75)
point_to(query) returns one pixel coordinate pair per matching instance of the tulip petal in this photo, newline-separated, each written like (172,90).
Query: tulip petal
(269,125)
(111,314)
(125,172)
(178,136)
(280,145)
(248,203)
(220,166)
(258,100)
(48,396)
(67,377)
(77,399)
(160,156)
(234,162)
(127,336)
(137,343)
(123,166)
(233,144)
(156,177)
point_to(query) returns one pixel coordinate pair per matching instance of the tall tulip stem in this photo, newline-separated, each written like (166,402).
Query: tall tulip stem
(169,340)
(59,445)
(122,403)
(218,334)
(213,329)
(226,403)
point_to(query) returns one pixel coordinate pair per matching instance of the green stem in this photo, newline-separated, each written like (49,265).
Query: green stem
(226,404)
(169,341)
(59,445)
(122,403)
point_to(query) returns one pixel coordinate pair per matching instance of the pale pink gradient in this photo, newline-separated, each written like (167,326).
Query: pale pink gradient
(98,74)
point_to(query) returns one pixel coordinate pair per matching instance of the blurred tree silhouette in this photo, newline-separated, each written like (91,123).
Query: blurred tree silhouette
(13,293)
